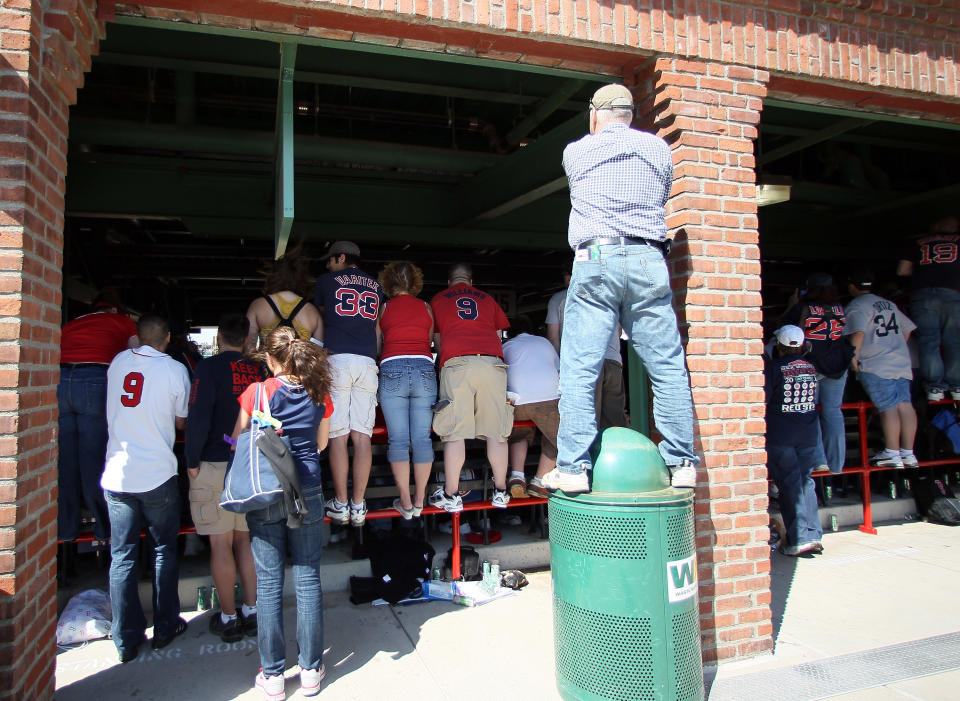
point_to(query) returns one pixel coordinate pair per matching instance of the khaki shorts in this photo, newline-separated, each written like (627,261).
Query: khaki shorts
(476,386)
(353,390)
(546,415)
(205,509)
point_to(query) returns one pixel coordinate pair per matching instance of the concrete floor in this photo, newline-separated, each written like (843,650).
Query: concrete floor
(864,592)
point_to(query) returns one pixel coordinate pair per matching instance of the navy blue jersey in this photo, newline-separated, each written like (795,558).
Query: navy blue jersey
(791,388)
(350,300)
(936,262)
(217,383)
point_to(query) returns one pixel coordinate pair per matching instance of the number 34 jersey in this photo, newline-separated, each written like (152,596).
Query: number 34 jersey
(146,392)
(885,328)
(350,300)
(468,321)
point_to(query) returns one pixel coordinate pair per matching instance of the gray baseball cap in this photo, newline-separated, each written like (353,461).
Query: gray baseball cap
(611,97)
(343,248)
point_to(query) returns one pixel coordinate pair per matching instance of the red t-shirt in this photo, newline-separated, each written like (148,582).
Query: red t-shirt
(468,321)
(405,324)
(96,337)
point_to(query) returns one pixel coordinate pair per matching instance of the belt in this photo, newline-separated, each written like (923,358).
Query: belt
(664,246)
(84,365)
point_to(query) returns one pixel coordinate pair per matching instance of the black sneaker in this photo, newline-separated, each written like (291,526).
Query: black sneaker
(249,624)
(229,632)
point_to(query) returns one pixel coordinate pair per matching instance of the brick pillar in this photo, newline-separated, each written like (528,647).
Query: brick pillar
(709,113)
(44,53)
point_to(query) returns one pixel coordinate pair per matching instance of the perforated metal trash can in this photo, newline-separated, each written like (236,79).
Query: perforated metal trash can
(623,558)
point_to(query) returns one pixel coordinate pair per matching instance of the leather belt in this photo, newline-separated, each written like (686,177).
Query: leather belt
(84,365)
(664,246)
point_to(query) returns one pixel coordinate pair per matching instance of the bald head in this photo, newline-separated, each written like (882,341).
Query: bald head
(460,272)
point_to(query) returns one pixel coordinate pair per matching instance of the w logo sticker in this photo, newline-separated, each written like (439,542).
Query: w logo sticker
(681,579)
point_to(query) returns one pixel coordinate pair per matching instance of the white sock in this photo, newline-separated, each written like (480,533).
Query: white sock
(904,451)
(224,618)
(517,475)
(249,610)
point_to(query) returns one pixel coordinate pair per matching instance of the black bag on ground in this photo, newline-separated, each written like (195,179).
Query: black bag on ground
(936,501)
(469,564)
(399,564)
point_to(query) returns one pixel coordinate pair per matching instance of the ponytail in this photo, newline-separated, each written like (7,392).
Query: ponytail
(304,362)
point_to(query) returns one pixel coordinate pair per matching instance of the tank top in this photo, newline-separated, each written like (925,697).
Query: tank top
(284,307)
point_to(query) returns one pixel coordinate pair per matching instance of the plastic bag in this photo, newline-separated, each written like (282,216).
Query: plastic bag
(87,616)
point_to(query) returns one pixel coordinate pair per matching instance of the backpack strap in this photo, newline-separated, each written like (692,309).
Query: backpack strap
(286,320)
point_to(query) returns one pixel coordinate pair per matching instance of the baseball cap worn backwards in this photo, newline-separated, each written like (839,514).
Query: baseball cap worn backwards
(348,248)
(612,97)
(790,336)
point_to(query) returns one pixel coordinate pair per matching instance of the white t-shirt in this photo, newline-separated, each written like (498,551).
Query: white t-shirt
(533,370)
(146,392)
(884,349)
(555,316)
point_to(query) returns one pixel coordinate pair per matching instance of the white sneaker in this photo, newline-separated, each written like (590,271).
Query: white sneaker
(500,499)
(310,680)
(273,688)
(451,505)
(569,482)
(955,394)
(909,459)
(935,395)
(337,511)
(887,458)
(684,475)
(358,513)
(822,468)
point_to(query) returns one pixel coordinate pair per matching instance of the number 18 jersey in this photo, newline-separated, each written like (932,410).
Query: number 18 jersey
(146,392)
(468,321)
(350,300)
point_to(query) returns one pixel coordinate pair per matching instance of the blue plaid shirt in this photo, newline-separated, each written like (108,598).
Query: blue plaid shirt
(620,181)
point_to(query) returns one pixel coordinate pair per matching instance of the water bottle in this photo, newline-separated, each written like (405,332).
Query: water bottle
(494,576)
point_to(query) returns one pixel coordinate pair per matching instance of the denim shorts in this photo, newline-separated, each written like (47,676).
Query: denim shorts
(885,394)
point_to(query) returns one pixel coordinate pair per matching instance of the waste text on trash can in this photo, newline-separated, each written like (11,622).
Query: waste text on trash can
(681,579)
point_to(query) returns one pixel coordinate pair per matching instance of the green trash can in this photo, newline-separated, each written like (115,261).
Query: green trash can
(623,557)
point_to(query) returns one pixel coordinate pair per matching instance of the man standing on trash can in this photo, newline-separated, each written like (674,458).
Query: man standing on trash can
(620,180)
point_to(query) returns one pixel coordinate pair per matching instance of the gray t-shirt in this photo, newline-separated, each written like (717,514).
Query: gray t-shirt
(555,316)
(885,329)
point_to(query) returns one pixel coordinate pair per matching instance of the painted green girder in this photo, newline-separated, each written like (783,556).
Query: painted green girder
(809,140)
(857,114)
(283,164)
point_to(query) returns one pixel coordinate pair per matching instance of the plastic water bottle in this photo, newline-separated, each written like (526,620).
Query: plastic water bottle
(494,576)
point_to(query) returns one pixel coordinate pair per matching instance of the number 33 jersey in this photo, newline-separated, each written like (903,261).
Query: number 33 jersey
(146,392)
(350,300)
(885,328)
(468,321)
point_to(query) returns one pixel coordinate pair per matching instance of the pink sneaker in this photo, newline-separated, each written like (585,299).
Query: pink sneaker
(273,688)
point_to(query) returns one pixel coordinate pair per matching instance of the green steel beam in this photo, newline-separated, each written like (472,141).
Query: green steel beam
(186,107)
(901,202)
(523,200)
(858,114)
(543,110)
(283,169)
(816,137)
(908,142)
(239,142)
(356,46)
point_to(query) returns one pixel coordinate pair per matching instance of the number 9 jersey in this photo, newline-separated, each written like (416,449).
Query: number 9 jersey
(468,321)
(146,392)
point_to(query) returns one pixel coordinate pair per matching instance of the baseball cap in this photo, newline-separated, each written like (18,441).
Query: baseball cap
(611,97)
(862,279)
(348,248)
(790,336)
(819,280)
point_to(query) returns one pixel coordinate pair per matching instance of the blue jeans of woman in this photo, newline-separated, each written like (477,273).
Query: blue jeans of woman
(832,442)
(628,284)
(82,402)
(159,511)
(408,391)
(270,539)
(936,312)
(791,468)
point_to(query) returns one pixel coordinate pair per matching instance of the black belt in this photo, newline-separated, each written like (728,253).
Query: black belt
(664,246)
(84,365)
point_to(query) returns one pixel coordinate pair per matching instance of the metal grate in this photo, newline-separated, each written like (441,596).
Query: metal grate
(610,656)
(621,537)
(681,539)
(687,669)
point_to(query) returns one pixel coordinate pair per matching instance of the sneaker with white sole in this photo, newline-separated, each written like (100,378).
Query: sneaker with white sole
(935,395)
(822,468)
(909,459)
(683,475)
(500,498)
(887,458)
(406,513)
(310,680)
(569,482)
(358,513)
(955,394)
(273,688)
(451,505)
(535,488)
(337,511)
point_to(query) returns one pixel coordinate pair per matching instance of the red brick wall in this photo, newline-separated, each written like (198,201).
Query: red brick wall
(42,58)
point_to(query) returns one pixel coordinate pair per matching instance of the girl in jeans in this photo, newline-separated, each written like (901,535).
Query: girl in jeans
(299,399)
(408,382)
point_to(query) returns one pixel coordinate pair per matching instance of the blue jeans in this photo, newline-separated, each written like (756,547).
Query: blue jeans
(270,538)
(791,468)
(159,511)
(82,402)
(832,441)
(936,312)
(408,391)
(630,285)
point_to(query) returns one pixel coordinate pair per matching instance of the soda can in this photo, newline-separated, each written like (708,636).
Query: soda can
(834,523)
(906,486)
(828,492)
(214,598)
(435,573)
(203,599)
(892,486)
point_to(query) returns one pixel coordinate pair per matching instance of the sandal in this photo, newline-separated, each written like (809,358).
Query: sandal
(161,642)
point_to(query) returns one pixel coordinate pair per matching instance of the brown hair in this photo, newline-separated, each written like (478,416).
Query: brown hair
(289,272)
(401,276)
(305,363)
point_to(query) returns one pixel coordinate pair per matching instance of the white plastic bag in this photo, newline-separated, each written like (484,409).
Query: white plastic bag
(86,616)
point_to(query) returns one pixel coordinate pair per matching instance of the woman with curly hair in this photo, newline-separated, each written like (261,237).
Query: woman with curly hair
(298,397)
(408,382)
(284,301)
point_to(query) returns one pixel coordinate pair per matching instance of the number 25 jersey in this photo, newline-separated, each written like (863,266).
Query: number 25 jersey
(146,392)
(468,321)
(884,351)
(350,300)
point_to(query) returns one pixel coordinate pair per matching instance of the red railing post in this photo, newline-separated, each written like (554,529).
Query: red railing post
(867,525)
(455,565)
